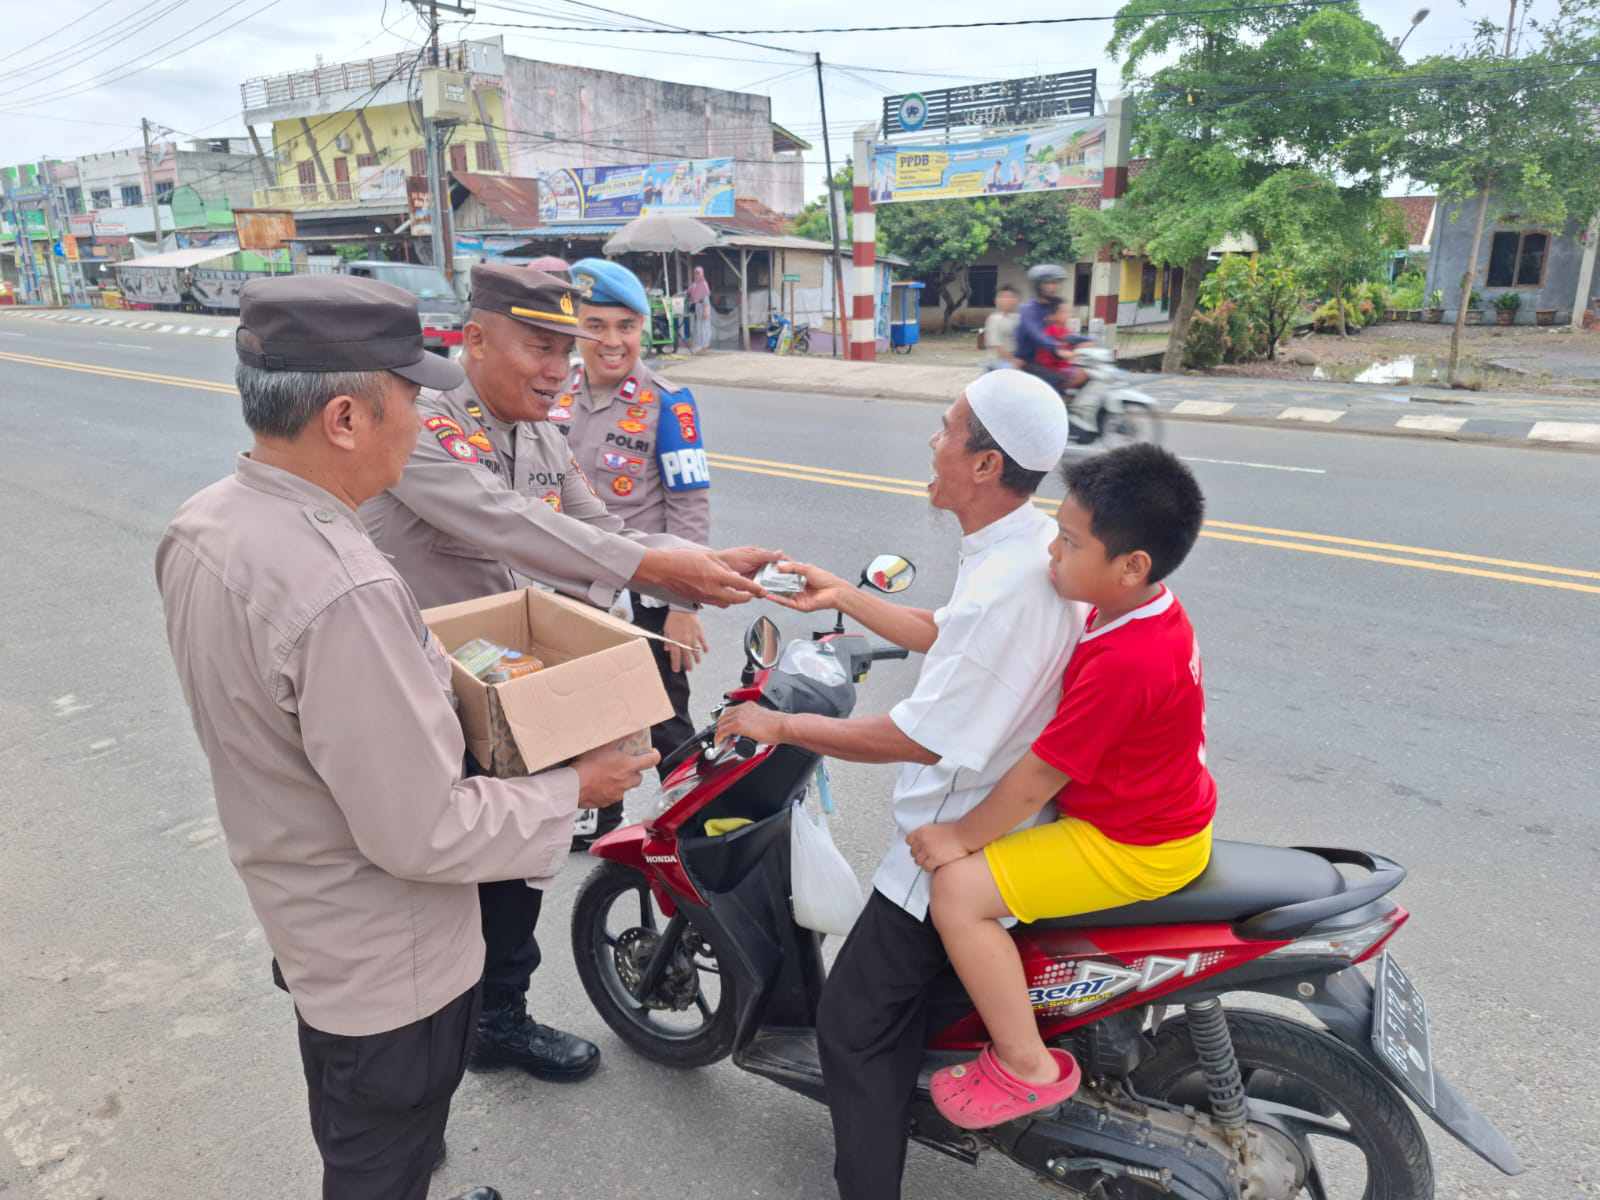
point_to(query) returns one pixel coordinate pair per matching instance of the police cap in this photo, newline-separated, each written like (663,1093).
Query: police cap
(328,323)
(533,297)
(610,284)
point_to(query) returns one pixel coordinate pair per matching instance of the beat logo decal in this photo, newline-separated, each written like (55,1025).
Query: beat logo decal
(1092,983)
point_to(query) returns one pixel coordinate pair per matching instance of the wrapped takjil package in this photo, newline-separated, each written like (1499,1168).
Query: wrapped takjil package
(540,679)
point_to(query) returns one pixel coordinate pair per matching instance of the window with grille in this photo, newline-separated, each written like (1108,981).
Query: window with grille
(458,157)
(983,281)
(132,195)
(366,160)
(164,189)
(1518,259)
(419,162)
(482,156)
(100,197)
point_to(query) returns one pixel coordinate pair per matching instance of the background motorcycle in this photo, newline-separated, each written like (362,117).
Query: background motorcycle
(1108,408)
(687,945)
(798,340)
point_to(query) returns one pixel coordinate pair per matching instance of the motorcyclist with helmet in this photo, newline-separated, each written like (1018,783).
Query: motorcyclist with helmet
(1048,280)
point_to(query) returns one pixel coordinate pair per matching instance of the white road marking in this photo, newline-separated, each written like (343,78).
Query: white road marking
(165,329)
(1320,416)
(103,321)
(11,333)
(1432,424)
(1565,431)
(1202,408)
(185,329)
(1233,462)
(127,345)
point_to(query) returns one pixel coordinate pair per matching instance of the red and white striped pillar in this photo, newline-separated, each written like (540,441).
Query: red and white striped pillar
(1107,278)
(863,254)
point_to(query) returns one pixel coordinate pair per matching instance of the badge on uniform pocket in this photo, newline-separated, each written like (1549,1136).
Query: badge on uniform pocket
(631,426)
(622,464)
(622,485)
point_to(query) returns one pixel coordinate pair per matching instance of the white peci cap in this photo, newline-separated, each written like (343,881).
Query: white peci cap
(1025,415)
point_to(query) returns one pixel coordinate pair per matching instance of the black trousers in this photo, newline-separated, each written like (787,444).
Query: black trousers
(509,910)
(891,987)
(379,1103)
(678,728)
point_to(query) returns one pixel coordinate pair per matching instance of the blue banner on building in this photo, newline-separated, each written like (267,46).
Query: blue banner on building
(701,187)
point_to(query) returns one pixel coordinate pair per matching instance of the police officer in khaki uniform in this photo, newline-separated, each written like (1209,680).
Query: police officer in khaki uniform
(640,440)
(324,707)
(490,500)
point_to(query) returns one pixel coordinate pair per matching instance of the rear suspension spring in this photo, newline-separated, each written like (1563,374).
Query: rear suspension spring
(1213,1045)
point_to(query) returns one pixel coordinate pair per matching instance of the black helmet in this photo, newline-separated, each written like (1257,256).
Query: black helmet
(1045,273)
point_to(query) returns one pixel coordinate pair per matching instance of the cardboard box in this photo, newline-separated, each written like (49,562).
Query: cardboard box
(599,682)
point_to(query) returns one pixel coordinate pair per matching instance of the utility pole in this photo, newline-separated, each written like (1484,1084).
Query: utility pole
(442,235)
(833,224)
(150,181)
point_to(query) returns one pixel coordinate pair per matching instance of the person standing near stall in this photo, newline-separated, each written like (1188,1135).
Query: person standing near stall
(698,301)
(640,440)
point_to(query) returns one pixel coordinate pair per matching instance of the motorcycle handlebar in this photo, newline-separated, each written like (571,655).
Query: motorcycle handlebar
(878,651)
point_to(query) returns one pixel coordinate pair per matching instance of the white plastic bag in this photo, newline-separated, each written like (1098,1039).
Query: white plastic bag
(824,891)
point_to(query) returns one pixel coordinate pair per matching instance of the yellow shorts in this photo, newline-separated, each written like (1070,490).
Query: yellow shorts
(1068,867)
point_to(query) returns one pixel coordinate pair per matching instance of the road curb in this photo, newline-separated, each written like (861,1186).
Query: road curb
(1580,437)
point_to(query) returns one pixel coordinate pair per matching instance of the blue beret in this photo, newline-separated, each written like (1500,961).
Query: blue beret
(610,283)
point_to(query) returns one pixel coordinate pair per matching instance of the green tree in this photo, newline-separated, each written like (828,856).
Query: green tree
(1497,135)
(1226,98)
(940,239)
(1037,224)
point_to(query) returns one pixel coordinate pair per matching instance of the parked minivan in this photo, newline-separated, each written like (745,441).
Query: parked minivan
(443,313)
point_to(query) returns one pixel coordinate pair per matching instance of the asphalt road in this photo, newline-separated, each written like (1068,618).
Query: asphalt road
(1419,679)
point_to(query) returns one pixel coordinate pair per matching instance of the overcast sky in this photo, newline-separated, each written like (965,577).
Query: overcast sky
(62,97)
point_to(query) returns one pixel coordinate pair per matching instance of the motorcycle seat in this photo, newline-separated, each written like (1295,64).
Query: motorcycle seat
(1241,880)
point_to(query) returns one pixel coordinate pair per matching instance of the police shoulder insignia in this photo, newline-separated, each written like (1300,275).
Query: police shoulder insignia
(457,446)
(474,411)
(629,387)
(435,424)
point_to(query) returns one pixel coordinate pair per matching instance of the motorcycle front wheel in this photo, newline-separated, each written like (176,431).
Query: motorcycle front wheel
(1358,1137)
(687,1019)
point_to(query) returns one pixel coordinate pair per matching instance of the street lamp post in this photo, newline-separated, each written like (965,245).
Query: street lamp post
(1417,18)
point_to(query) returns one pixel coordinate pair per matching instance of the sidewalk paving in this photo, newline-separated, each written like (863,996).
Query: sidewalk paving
(1348,407)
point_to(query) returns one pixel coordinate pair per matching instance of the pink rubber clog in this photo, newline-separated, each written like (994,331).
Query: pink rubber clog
(982,1093)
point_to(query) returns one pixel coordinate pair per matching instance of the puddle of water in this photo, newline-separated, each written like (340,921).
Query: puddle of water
(1421,370)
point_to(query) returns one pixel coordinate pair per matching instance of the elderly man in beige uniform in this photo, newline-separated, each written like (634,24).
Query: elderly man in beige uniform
(640,440)
(491,499)
(324,707)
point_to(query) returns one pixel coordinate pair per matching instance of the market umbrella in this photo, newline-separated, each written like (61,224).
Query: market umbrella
(661,233)
(664,234)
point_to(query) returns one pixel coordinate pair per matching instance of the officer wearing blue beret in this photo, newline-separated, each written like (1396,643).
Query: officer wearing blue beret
(639,439)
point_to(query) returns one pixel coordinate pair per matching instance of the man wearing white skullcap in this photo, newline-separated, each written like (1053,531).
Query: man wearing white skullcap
(990,681)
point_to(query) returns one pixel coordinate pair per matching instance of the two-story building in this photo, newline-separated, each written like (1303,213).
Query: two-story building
(348,147)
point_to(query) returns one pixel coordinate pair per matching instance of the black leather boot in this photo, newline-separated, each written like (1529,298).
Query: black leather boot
(508,1037)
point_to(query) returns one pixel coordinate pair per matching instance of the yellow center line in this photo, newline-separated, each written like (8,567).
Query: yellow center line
(1334,545)
(919,487)
(59,364)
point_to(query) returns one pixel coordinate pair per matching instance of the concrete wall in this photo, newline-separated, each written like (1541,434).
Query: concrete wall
(607,119)
(1452,243)
(197,168)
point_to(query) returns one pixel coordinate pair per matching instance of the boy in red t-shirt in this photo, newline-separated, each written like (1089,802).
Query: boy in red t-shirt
(1058,359)
(1123,759)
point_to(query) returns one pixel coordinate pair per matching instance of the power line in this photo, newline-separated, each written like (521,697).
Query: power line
(722,33)
(110,39)
(75,21)
(99,82)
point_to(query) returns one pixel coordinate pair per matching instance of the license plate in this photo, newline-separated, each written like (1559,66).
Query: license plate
(1400,1030)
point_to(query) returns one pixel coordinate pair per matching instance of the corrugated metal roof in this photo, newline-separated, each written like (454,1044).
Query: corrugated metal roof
(180,258)
(513,199)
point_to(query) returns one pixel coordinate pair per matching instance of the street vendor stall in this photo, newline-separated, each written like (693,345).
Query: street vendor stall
(164,280)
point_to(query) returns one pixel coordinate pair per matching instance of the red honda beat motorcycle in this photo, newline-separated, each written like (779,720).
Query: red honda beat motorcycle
(687,944)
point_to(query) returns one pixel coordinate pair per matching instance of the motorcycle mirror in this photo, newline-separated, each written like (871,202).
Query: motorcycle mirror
(762,641)
(889,574)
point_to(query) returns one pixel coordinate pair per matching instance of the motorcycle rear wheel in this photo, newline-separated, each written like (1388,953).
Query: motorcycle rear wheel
(1135,423)
(662,1028)
(1304,1068)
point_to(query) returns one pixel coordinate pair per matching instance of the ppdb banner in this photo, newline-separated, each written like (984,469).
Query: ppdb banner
(701,187)
(1069,155)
